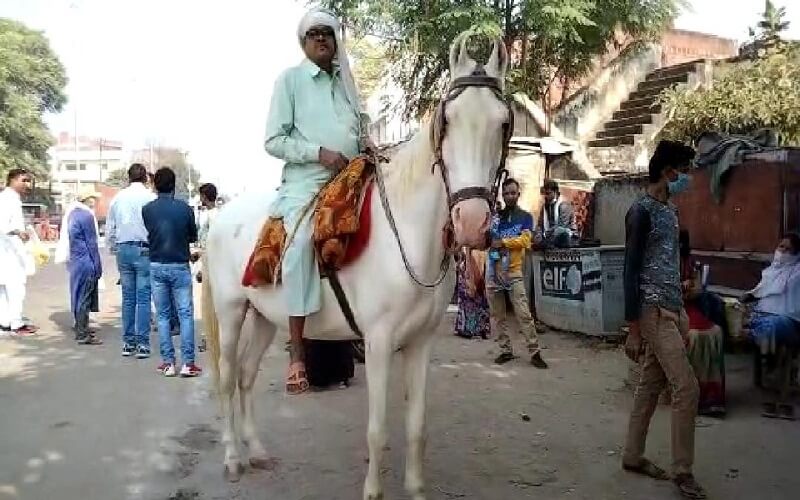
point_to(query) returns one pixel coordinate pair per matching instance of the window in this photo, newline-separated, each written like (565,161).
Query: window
(69,166)
(83,166)
(104,166)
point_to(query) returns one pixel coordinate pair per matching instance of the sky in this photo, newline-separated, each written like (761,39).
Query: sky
(198,74)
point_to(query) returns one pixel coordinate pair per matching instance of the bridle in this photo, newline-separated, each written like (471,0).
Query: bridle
(477,79)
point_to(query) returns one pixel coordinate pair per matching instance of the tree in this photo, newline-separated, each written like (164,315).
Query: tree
(369,64)
(32,82)
(549,40)
(162,156)
(746,96)
(117,178)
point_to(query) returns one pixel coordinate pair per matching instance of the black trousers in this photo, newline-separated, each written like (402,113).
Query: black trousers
(87,302)
(329,362)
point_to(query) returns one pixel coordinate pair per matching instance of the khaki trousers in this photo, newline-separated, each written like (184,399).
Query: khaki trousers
(664,361)
(521,309)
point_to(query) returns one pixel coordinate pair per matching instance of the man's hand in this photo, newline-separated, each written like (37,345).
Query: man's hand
(332,160)
(195,256)
(369,146)
(633,344)
(23,235)
(497,243)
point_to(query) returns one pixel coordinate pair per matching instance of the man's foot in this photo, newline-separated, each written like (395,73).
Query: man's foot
(167,369)
(540,328)
(297,380)
(90,339)
(647,468)
(688,487)
(537,361)
(128,350)
(25,331)
(4,328)
(142,352)
(504,358)
(190,370)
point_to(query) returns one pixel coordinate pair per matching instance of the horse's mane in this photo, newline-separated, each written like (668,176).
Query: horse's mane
(410,161)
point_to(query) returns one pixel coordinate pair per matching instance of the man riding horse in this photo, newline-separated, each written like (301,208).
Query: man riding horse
(315,125)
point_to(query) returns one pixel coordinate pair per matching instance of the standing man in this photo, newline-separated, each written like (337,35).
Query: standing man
(13,255)
(557,219)
(653,309)
(516,236)
(128,236)
(208,200)
(84,265)
(315,125)
(171,229)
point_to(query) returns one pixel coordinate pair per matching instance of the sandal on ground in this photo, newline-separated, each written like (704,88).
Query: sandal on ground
(504,358)
(647,468)
(786,412)
(688,487)
(769,410)
(296,380)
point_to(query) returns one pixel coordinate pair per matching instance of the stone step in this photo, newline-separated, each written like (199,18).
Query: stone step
(650,92)
(638,103)
(620,131)
(637,112)
(663,82)
(614,141)
(627,122)
(678,69)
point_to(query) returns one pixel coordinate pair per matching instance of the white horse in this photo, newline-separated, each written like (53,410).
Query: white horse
(396,315)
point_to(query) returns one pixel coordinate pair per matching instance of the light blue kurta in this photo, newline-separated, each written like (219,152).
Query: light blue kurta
(309,110)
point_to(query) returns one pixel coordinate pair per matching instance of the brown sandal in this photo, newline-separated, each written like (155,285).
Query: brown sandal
(647,468)
(296,380)
(689,488)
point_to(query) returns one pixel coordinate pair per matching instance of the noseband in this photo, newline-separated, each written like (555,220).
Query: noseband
(477,79)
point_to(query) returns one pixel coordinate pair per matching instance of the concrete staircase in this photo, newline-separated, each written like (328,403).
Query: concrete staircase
(622,144)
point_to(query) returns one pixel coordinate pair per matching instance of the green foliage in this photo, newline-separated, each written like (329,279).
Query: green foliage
(32,82)
(369,64)
(549,39)
(746,96)
(117,178)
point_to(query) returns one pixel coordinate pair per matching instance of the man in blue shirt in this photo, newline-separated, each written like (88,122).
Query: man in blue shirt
(171,229)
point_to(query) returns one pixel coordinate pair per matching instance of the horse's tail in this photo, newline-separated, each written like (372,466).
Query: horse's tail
(210,322)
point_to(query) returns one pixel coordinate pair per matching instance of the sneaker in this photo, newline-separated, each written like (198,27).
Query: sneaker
(167,369)
(504,358)
(190,370)
(537,361)
(128,350)
(142,352)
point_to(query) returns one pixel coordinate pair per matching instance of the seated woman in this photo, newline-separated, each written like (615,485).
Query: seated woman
(706,339)
(775,324)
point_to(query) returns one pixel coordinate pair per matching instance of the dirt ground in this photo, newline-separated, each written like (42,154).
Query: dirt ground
(81,422)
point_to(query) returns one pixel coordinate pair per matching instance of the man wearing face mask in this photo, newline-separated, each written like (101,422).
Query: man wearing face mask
(515,231)
(316,126)
(654,311)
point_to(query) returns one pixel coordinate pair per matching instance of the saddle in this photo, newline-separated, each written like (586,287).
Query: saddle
(341,222)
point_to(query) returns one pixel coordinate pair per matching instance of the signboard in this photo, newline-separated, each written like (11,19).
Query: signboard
(561,274)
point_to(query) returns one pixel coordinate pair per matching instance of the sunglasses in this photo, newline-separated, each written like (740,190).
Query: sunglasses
(320,32)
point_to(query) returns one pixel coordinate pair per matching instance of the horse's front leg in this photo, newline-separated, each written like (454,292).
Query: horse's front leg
(379,360)
(415,357)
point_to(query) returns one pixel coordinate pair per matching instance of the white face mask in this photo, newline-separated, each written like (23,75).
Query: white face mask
(783,257)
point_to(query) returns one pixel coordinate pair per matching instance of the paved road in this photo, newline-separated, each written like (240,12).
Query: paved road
(80,422)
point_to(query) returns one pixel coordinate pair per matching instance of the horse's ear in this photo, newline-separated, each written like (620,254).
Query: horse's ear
(498,61)
(460,61)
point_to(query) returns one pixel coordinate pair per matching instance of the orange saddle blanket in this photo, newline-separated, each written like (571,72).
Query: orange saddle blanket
(341,226)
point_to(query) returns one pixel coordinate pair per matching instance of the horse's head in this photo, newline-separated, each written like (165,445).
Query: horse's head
(471,130)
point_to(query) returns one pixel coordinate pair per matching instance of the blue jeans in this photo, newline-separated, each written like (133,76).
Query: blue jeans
(172,284)
(133,263)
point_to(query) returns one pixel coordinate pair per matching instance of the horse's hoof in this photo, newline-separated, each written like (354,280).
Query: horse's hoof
(263,463)
(234,475)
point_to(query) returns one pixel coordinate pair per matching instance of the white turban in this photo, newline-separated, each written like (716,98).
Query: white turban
(324,17)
